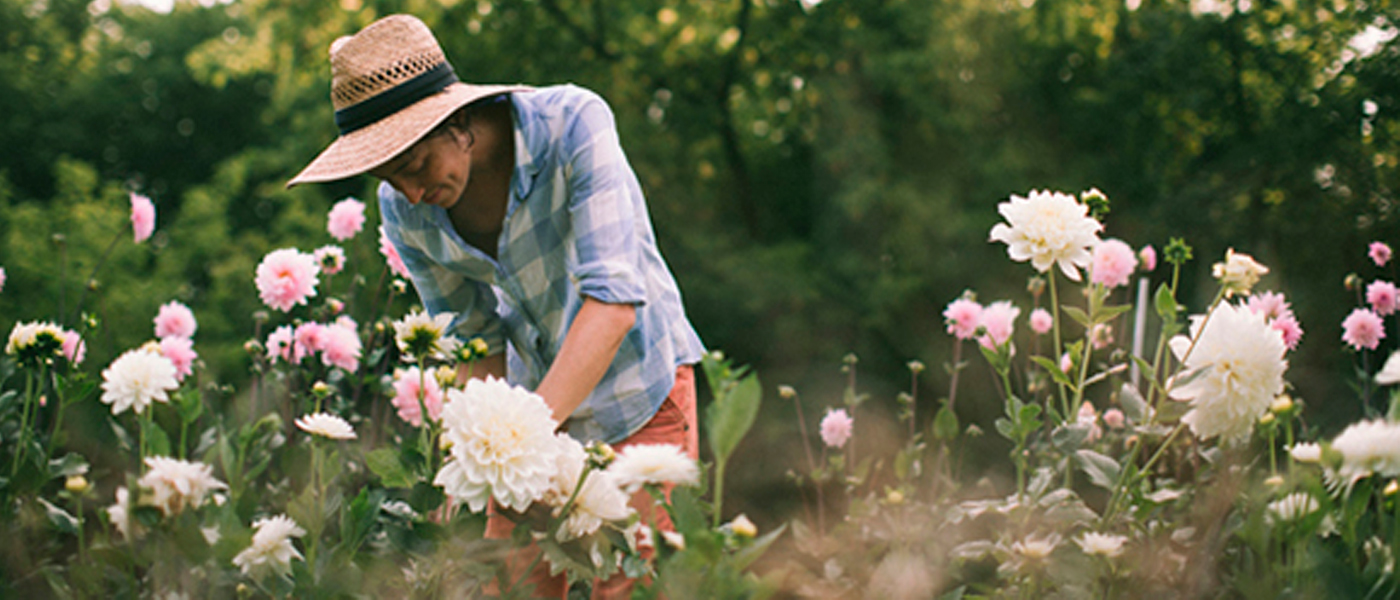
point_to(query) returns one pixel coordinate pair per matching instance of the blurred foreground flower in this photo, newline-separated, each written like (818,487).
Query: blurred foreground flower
(1113,263)
(272,550)
(346,219)
(1101,544)
(1233,373)
(599,499)
(1293,507)
(644,464)
(326,425)
(138,378)
(1369,447)
(391,254)
(836,428)
(1048,228)
(177,484)
(175,319)
(411,386)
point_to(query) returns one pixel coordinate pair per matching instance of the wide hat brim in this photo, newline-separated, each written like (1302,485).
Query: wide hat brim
(373,145)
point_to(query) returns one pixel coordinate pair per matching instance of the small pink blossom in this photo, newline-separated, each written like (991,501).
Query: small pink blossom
(1380,253)
(341,347)
(963,316)
(74,349)
(180,352)
(286,278)
(346,219)
(1289,327)
(1101,336)
(1382,297)
(1113,263)
(331,259)
(408,385)
(1066,363)
(1270,304)
(2,278)
(1363,329)
(1041,321)
(391,254)
(175,319)
(279,344)
(836,428)
(1147,258)
(309,338)
(1089,418)
(143,217)
(1113,418)
(999,321)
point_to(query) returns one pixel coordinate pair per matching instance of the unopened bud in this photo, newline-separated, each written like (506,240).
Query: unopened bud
(894,497)
(1281,404)
(320,389)
(1267,419)
(1391,488)
(1036,286)
(743,527)
(1274,481)
(335,306)
(400,286)
(78,484)
(600,454)
(916,367)
(1352,282)
(786,392)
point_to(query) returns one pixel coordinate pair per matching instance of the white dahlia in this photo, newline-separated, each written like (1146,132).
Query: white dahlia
(1369,447)
(1238,273)
(1293,507)
(1233,373)
(1048,228)
(272,549)
(176,484)
(655,464)
(1102,544)
(600,498)
(138,378)
(502,445)
(326,425)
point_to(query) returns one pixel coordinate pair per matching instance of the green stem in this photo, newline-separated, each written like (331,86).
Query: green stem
(1059,346)
(57,422)
(23,425)
(720,463)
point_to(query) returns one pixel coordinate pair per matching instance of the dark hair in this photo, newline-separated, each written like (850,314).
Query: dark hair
(461,119)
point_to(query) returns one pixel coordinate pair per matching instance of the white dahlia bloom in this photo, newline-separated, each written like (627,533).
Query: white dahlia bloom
(1369,447)
(326,425)
(1238,273)
(1048,228)
(599,500)
(176,484)
(502,445)
(1390,372)
(1306,452)
(272,549)
(1102,544)
(1036,549)
(653,463)
(1232,375)
(1293,507)
(423,336)
(138,378)
(119,514)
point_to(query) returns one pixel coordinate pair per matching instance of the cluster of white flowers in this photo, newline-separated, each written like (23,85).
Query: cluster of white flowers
(1232,374)
(176,484)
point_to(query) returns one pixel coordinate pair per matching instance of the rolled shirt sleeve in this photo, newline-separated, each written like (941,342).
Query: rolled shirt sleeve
(602,209)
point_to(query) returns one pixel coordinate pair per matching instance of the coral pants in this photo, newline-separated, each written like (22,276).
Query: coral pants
(674,423)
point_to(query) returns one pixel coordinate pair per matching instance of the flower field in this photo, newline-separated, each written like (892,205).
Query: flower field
(1154,449)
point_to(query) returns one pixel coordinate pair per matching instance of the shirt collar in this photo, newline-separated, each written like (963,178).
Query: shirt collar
(530,146)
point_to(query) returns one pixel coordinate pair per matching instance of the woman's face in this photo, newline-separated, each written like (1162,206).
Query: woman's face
(433,171)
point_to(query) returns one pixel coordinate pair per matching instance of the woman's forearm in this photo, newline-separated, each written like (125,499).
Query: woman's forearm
(588,350)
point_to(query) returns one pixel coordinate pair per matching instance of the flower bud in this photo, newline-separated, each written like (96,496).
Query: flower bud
(1281,404)
(253,347)
(743,527)
(1353,282)
(78,484)
(600,454)
(335,306)
(894,497)
(1391,488)
(786,392)
(1036,286)
(674,540)
(400,286)
(1267,419)
(916,367)
(1274,481)
(320,389)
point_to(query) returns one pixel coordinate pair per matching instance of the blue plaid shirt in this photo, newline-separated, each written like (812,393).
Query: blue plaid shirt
(576,225)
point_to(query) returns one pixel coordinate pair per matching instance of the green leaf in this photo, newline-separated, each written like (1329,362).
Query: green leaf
(157,442)
(1006,429)
(752,552)
(1069,437)
(60,519)
(1166,303)
(945,424)
(385,463)
(1102,470)
(997,359)
(1078,315)
(1394,415)
(1054,370)
(425,497)
(71,464)
(1134,406)
(1109,313)
(730,416)
(189,405)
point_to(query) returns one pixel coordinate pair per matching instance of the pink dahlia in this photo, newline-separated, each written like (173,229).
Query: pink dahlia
(836,428)
(1270,304)
(331,258)
(1113,418)
(346,219)
(175,319)
(999,321)
(286,278)
(963,316)
(1380,253)
(180,352)
(1147,258)
(143,217)
(1113,263)
(1382,296)
(308,339)
(1363,329)
(409,385)
(391,254)
(1288,326)
(341,347)
(74,349)
(1041,321)
(279,344)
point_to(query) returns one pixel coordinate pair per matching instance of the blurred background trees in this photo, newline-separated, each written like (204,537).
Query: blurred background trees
(822,175)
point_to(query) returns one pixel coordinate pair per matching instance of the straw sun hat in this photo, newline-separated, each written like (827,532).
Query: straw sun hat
(390,85)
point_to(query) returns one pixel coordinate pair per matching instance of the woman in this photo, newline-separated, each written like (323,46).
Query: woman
(516,209)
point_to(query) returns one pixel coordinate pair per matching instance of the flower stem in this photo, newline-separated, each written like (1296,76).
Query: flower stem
(811,463)
(97,268)
(1059,346)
